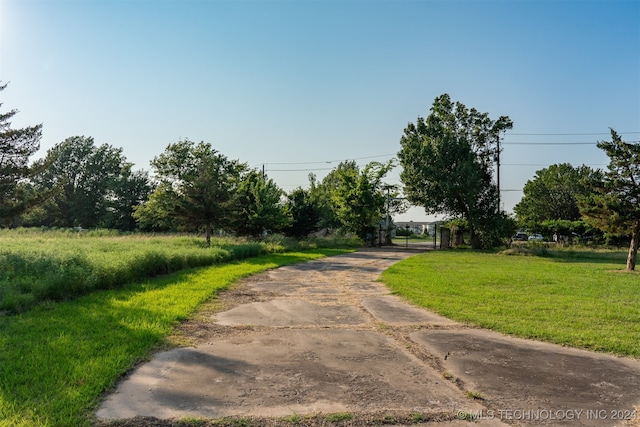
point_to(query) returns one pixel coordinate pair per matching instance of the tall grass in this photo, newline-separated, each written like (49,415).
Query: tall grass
(38,265)
(57,359)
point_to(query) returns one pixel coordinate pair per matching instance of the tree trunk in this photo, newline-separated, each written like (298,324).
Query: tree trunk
(458,237)
(633,247)
(208,234)
(474,238)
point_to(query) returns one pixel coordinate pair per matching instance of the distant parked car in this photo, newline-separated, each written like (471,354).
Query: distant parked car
(536,237)
(520,237)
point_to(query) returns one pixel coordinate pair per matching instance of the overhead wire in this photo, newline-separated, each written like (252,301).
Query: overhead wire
(571,134)
(502,143)
(392,155)
(330,161)
(553,143)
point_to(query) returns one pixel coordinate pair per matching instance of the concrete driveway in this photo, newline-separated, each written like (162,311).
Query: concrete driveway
(325,338)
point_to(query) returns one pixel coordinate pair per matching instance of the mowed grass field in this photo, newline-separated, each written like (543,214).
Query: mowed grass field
(581,299)
(58,357)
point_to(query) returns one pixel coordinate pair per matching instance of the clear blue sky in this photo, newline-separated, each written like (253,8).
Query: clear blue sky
(295,84)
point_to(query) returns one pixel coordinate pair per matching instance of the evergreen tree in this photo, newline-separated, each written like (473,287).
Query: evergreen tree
(197,185)
(16,146)
(615,205)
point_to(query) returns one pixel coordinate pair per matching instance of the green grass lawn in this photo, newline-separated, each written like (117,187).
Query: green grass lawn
(58,358)
(581,298)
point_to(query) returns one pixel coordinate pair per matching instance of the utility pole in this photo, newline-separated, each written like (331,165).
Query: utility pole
(498,171)
(387,238)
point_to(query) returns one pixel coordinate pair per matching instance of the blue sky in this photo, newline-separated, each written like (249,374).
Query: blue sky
(293,85)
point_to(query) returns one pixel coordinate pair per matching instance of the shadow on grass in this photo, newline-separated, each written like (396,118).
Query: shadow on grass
(57,359)
(569,256)
(589,257)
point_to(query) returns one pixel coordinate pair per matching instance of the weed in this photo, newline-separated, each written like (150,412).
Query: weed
(191,422)
(338,417)
(235,422)
(475,395)
(418,418)
(389,419)
(294,419)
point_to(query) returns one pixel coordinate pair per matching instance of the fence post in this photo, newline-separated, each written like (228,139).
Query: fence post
(445,234)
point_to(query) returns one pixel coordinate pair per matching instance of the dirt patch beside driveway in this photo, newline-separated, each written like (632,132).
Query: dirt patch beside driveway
(324,338)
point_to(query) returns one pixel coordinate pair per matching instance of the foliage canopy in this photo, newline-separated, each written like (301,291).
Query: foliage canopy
(615,205)
(553,193)
(16,146)
(447,162)
(196,188)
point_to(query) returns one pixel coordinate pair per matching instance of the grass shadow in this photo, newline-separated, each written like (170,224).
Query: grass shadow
(57,359)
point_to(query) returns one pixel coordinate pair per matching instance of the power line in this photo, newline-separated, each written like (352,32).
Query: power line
(502,142)
(299,170)
(331,161)
(549,143)
(570,134)
(543,164)
(556,143)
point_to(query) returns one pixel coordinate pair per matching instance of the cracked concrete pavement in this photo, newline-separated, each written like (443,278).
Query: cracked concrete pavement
(326,337)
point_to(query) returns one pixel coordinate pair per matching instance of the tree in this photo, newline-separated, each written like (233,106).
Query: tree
(553,192)
(16,146)
(155,214)
(615,205)
(131,189)
(304,213)
(447,163)
(258,207)
(197,185)
(94,185)
(359,196)
(320,197)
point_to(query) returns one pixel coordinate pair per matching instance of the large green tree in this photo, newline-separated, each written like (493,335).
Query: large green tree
(615,205)
(258,206)
(16,146)
(304,212)
(156,213)
(320,196)
(94,185)
(131,189)
(359,196)
(448,161)
(553,192)
(197,185)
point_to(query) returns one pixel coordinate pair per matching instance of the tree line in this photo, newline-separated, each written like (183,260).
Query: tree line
(590,204)
(448,162)
(192,187)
